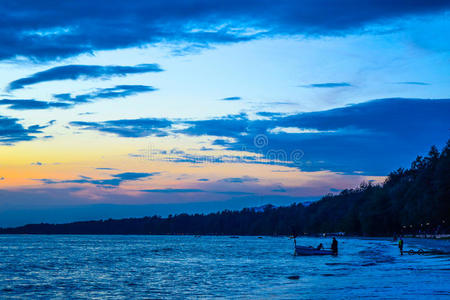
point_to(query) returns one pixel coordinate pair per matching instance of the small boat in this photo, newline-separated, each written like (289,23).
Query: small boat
(302,250)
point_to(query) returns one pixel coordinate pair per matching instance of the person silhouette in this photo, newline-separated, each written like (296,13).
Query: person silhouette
(400,246)
(334,246)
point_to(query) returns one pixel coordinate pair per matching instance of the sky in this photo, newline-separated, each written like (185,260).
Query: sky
(126,109)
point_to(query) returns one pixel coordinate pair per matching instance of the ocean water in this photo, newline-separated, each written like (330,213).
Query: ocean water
(187,267)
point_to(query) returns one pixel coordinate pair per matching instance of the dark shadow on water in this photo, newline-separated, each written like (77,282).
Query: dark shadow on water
(368,264)
(339,264)
(162,250)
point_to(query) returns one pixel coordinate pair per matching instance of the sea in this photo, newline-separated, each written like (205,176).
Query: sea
(218,267)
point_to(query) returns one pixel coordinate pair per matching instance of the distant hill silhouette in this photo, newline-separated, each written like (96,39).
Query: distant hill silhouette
(410,200)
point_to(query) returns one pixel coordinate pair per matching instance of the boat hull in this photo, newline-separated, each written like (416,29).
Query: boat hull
(304,251)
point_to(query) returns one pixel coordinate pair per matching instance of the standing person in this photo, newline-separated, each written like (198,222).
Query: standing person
(334,246)
(400,245)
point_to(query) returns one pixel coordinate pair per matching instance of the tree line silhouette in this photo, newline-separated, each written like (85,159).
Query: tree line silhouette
(411,200)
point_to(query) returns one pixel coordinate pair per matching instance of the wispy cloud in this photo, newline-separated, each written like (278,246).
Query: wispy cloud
(413,83)
(231,99)
(181,191)
(115,181)
(31,104)
(66,100)
(128,127)
(268,114)
(74,72)
(119,91)
(243,179)
(133,175)
(326,85)
(172,191)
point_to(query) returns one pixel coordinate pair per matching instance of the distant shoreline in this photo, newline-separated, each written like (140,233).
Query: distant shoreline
(411,202)
(386,237)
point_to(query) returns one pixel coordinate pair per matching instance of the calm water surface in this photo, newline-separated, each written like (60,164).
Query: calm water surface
(180,267)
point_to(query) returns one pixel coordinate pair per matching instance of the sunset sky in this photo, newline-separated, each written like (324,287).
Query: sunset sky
(132,108)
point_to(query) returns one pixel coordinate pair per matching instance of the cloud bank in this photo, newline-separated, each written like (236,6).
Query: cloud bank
(374,137)
(48,30)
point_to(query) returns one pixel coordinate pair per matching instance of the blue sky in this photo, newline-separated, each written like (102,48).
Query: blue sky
(159,106)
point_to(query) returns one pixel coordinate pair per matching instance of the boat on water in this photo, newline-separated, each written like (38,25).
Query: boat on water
(303,250)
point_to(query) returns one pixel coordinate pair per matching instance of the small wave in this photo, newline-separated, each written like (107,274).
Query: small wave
(368,264)
(441,293)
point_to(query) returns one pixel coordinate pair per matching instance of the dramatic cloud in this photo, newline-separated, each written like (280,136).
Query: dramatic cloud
(11,131)
(391,132)
(231,99)
(115,181)
(327,85)
(47,29)
(128,127)
(119,91)
(31,104)
(74,72)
